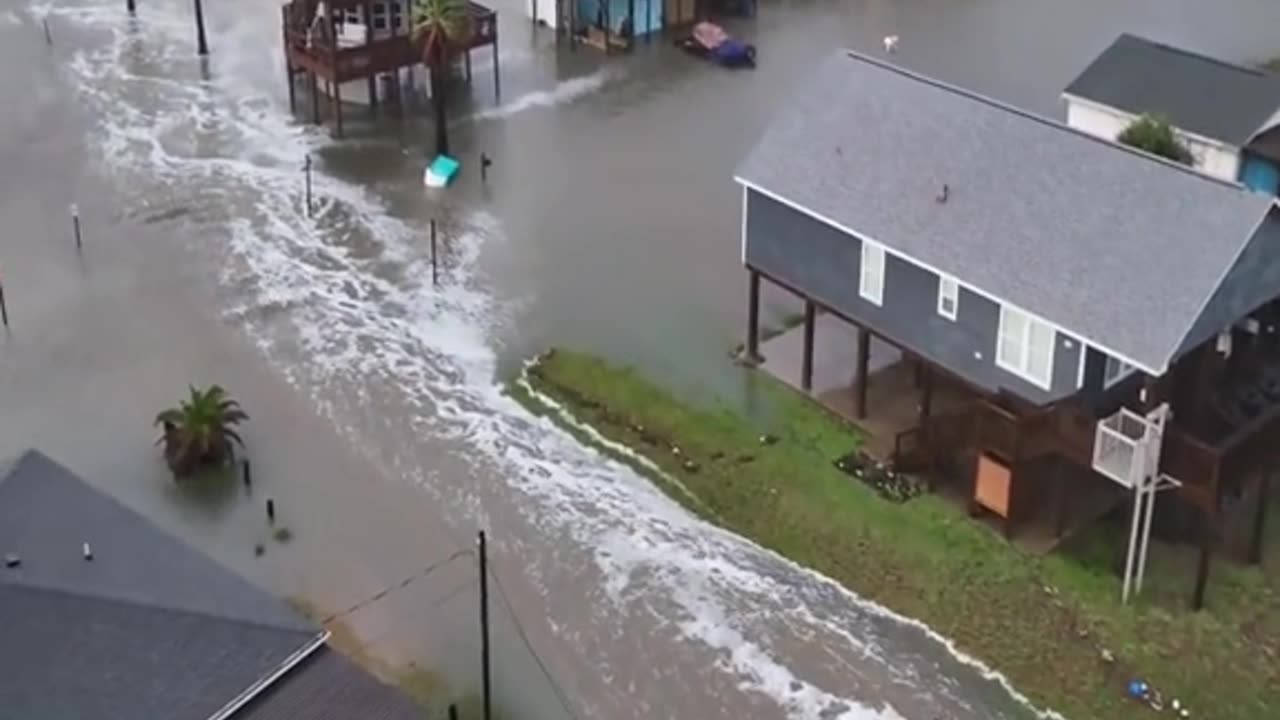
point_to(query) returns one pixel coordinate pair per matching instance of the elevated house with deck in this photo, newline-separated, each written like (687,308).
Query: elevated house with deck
(1042,320)
(364,50)
(1227,115)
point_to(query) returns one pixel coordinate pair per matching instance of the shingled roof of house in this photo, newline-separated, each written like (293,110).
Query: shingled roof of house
(1194,92)
(1136,255)
(150,627)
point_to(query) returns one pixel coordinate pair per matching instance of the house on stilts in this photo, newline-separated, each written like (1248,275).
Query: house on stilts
(1045,323)
(363,50)
(1227,115)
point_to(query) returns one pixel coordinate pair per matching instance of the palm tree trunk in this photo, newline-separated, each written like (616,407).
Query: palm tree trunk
(438,101)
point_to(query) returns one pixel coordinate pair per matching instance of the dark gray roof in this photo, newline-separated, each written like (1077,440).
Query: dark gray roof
(149,628)
(328,686)
(1194,92)
(1115,246)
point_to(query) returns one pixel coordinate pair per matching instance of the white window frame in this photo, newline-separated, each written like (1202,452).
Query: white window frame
(1022,366)
(948,289)
(1114,371)
(871,284)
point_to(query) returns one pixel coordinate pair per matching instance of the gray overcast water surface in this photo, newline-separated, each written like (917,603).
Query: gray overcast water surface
(610,222)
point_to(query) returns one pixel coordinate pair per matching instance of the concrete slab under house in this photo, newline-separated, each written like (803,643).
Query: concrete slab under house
(1000,300)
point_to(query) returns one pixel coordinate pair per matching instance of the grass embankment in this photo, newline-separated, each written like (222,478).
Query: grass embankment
(1044,622)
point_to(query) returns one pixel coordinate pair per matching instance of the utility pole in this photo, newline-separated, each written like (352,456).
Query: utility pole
(484,628)
(202,44)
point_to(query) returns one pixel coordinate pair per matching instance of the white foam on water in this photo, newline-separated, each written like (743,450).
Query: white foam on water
(563,93)
(353,319)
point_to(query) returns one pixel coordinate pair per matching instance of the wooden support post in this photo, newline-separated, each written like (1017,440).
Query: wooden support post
(497,78)
(1202,568)
(864,356)
(918,370)
(1060,511)
(466,62)
(806,367)
(315,98)
(1260,519)
(753,317)
(926,393)
(1011,508)
(293,101)
(337,108)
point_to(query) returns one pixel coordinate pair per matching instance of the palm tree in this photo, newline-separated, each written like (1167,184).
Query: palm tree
(199,431)
(443,27)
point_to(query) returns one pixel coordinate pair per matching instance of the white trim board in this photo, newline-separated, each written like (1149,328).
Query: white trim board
(255,689)
(972,288)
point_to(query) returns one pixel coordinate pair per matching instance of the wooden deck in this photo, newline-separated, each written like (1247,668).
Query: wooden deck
(1045,484)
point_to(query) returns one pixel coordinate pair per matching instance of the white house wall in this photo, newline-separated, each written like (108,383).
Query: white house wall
(543,10)
(1212,158)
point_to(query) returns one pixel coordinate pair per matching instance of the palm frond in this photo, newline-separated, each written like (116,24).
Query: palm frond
(233,435)
(172,415)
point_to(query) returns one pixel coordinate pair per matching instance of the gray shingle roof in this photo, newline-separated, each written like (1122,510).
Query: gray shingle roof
(1115,246)
(149,628)
(1194,92)
(328,686)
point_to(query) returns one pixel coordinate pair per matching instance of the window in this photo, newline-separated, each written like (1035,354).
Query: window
(871,281)
(1025,347)
(948,297)
(379,16)
(1114,371)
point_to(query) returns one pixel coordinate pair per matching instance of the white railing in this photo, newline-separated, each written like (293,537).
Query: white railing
(1116,447)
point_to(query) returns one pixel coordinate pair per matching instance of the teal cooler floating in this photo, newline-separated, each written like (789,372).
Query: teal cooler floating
(440,172)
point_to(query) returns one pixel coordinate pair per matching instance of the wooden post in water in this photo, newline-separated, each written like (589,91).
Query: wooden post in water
(307,171)
(4,311)
(202,43)
(75,224)
(484,629)
(434,275)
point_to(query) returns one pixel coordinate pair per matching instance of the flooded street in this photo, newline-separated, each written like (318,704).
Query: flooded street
(609,223)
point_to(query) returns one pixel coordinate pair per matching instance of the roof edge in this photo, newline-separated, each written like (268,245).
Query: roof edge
(1249,70)
(1274,207)
(270,679)
(1034,117)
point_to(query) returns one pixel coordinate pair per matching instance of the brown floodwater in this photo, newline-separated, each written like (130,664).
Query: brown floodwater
(609,222)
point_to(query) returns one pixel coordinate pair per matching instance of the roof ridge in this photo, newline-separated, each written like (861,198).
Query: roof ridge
(1041,119)
(1193,54)
(117,600)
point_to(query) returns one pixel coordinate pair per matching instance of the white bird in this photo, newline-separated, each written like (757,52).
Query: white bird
(890,43)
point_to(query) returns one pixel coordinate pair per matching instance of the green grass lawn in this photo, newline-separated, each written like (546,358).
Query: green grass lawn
(1041,621)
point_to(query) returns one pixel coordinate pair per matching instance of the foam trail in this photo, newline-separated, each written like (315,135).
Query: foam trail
(566,91)
(339,302)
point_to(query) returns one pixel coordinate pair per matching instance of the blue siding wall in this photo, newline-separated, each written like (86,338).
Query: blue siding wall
(1260,175)
(823,262)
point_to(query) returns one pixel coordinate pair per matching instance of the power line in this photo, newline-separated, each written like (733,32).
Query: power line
(396,586)
(564,702)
